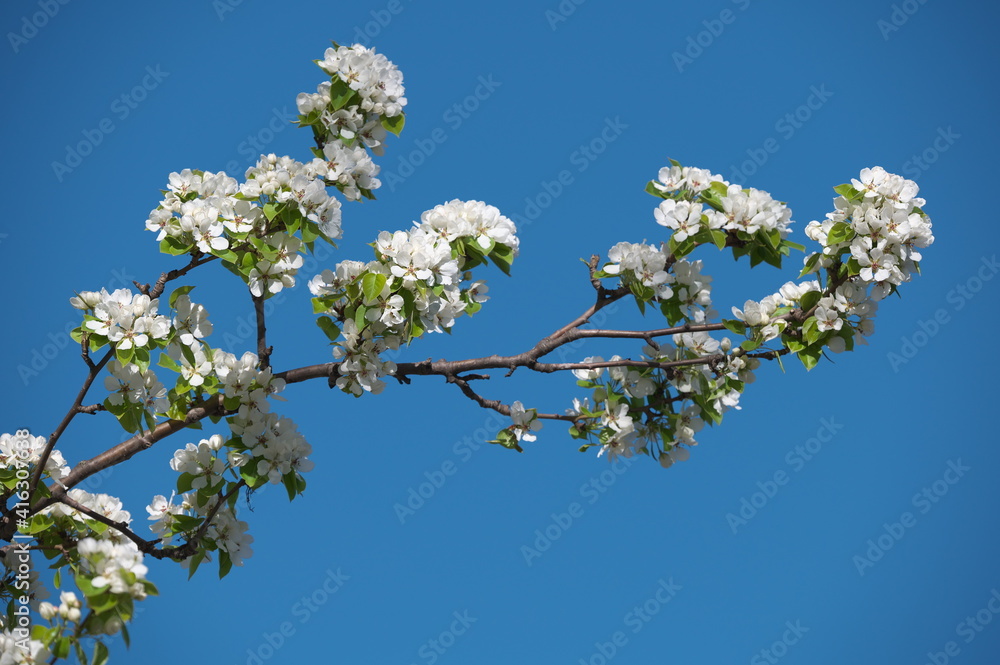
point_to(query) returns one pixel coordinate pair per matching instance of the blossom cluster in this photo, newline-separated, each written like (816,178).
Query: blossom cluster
(351,113)
(653,275)
(416,284)
(68,608)
(226,532)
(251,226)
(632,411)
(847,310)
(365,91)
(116,566)
(377,81)
(125,319)
(877,220)
(707,201)
(643,264)
(26,651)
(23,451)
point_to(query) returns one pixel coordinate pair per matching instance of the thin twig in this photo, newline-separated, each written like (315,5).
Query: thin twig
(197,259)
(263,350)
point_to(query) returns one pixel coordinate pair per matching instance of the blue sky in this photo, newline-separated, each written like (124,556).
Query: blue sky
(890,444)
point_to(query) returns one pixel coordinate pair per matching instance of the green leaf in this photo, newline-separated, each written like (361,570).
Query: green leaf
(39,523)
(371,286)
(288,480)
(321,305)
(195,562)
(225,564)
(651,188)
(416,330)
(671,310)
(809,300)
(720,189)
(340,94)
(329,327)
(810,264)
(394,124)
(506,438)
(168,362)
(100,654)
(310,231)
(186,523)
(124,356)
(503,257)
(810,331)
(792,344)
(177,293)
(174,246)
(735,326)
(62,647)
(86,587)
(810,356)
(271,211)
(184,483)
(129,420)
(839,233)
(750,344)
(847,191)
(772,238)
(719,238)
(681,249)
(359,317)
(140,356)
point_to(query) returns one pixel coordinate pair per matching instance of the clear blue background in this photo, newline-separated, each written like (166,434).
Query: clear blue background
(226,74)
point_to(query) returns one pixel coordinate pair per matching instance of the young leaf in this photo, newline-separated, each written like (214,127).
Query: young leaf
(329,327)
(178,292)
(371,286)
(735,326)
(394,124)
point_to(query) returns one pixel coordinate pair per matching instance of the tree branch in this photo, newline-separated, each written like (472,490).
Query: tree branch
(118,454)
(197,259)
(43,458)
(123,528)
(496,405)
(263,350)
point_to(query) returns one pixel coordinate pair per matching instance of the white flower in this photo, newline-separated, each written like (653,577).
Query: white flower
(191,321)
(377,80)
(827,318)
(753,313)
(683,217)
(590,374)
(525,422)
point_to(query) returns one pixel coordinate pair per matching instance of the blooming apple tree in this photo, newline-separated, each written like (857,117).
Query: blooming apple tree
(151,352)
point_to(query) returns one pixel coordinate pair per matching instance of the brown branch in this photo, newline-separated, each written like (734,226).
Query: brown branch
(457,372)
(43,458)
(144,545)
(157,290)
(178,552)
(495,405)
(263,350)
(118,454)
